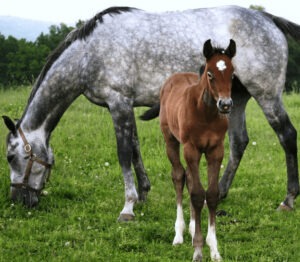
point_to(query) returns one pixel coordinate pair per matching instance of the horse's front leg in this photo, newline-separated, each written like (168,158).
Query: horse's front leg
(123,119)
(214,159)
(142,178)
(197,195)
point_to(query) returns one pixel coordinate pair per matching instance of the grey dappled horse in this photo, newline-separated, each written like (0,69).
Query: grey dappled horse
(120,58)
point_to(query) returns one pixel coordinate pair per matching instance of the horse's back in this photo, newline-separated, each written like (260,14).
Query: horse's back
(149,47)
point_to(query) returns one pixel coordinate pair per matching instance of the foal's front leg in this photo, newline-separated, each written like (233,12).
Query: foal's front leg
(178,178)
(214,159)
(197,195)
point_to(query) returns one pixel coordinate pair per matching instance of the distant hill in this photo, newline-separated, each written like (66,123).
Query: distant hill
(23,28)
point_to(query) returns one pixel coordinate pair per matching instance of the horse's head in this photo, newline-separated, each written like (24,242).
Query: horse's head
(219,73)
(30,161)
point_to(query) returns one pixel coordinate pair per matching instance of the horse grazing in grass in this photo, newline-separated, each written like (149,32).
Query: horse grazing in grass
(192,113)
(119,58)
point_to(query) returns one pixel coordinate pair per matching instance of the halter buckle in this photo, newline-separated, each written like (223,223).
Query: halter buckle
(27,148)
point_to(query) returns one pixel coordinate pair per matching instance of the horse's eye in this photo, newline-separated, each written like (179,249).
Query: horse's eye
(232,76)
(210,75)
(10,158)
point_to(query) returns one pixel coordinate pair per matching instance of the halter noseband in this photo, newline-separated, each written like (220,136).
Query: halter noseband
(32,158)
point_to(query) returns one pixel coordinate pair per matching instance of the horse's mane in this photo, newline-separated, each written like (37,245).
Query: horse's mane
(81,33)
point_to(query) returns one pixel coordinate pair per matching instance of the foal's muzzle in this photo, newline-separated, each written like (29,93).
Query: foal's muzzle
(224,105)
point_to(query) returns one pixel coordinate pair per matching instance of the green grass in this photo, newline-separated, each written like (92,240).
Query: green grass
(77,220)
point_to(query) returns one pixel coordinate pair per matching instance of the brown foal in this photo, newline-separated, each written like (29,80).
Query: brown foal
(193,113)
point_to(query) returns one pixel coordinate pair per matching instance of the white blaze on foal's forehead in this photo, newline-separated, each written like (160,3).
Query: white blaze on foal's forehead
(221,65)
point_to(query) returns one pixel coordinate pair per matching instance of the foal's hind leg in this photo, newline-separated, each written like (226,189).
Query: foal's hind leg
(287,134)
(142,178)
(178,177)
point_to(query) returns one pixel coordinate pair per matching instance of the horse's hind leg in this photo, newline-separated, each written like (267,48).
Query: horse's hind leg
(178,178)
(142,178)
(123,119)
(287,134)
(238,137)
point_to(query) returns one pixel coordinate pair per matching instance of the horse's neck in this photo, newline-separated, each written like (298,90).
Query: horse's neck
(46,107)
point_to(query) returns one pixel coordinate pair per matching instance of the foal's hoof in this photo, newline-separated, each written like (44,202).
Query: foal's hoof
(284,207)
(125,218)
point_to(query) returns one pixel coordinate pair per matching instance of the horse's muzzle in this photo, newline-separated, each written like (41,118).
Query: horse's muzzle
(27,197)
(224,105)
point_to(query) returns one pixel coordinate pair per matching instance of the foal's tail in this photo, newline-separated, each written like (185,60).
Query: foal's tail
(152,113)
(287,27)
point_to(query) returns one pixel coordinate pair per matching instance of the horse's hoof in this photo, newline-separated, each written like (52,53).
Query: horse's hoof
(125,218)
(143,196)
(284,207)
(221,213)
(143,192)
(222,195)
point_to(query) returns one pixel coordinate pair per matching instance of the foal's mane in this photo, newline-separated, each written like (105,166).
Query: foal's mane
(77,34)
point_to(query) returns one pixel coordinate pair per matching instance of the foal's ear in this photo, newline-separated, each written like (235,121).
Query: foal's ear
(231,49)
(10,124)
(208,50)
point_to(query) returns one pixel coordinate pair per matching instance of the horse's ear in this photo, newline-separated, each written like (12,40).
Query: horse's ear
(231,49)
(10,124)
(208,50)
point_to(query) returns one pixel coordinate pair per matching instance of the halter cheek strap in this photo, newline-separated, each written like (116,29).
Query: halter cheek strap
(32,158)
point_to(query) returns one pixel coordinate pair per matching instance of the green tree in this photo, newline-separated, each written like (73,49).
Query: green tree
(55,36)
(293,67)
(21,61)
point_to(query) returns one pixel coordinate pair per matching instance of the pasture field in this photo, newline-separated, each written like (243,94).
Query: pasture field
(77,219)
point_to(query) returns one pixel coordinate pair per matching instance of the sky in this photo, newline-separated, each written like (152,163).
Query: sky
(70,11)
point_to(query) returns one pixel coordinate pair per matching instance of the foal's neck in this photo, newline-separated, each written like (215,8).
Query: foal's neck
(206,101)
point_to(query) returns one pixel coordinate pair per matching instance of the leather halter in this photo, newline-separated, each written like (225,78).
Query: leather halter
(32,158)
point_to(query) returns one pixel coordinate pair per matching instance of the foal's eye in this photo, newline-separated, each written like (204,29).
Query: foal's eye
(210,75)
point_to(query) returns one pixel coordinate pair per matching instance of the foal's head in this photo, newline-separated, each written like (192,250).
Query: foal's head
(219,73)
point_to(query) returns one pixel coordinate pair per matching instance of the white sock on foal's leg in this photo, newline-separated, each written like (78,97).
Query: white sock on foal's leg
(211,241)
(179,226)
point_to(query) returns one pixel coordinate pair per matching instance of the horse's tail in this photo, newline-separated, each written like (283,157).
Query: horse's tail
(286,26)
(152,113)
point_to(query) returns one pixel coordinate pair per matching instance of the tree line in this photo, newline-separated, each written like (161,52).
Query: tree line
(21,61)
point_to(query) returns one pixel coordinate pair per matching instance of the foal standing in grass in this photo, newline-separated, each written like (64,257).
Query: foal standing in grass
(193,113)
